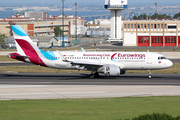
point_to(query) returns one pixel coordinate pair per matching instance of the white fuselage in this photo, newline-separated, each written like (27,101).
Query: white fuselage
(125,60)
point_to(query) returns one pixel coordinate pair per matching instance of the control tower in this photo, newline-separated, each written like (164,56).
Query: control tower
(115,6)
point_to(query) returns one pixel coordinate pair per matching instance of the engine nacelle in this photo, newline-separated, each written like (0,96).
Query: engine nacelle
(123,72)
(112,71)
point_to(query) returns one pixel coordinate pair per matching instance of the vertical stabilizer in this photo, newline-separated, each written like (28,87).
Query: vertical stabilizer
(25,45)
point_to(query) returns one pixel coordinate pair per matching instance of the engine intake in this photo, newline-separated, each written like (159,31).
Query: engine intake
(112,71)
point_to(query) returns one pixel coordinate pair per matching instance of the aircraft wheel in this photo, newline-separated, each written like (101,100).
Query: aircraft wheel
(91,76)
(96,74)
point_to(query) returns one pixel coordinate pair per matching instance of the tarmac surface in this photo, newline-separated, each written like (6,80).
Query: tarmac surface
(20,86)
(83,79)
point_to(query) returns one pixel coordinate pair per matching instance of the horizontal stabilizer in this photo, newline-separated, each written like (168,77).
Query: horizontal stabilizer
(10,55)
(18,56)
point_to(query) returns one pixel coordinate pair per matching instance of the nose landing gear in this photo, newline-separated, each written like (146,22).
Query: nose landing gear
(149,74)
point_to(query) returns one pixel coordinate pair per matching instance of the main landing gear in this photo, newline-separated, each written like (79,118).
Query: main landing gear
(149,74)
(94,75)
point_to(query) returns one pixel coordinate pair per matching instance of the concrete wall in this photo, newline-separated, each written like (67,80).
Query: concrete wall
(130,39)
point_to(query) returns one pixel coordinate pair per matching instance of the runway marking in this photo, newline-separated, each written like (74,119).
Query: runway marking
(21,86)
(90,92)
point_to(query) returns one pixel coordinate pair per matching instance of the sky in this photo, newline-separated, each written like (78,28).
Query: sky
(82,2)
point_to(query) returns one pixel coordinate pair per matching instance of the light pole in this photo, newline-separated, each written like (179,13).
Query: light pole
(156,10)
(46,23)
(63,19)
(132,13)
(75,20)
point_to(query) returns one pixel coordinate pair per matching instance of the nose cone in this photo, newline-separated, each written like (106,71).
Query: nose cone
(169,63)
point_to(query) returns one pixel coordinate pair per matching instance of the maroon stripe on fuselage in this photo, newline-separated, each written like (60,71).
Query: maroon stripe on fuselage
(31,52)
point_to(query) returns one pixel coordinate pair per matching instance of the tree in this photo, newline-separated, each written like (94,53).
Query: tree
(177,16)
(155,16)
(144,16)
(2,37)
(135,17)
(57,31)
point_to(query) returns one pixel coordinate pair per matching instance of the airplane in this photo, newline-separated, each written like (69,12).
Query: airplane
(108,63)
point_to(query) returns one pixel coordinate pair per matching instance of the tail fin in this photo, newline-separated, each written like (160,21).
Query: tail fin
(25,46)
(23,42)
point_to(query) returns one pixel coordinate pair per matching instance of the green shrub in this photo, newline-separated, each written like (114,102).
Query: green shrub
(156,116)
(177,118)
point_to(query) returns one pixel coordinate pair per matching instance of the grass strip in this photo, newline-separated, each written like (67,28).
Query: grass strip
(175,69)
(88,109)
(5,58)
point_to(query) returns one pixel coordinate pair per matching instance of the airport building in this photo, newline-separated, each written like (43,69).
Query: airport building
(42,26)
(151,33)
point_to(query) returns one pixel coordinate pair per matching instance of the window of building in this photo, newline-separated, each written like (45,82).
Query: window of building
(153,40)
(141,26)
(161,26)
(172,27)
(148,26)
(143,39)
(124,26)
(157,39)
(131,26)
(144,26)
(151,26)
(158,26)
(138,25)
(154,26)
(170,39)
(74,22)
(161,40)
(165,26)
(135,26)
(128,26)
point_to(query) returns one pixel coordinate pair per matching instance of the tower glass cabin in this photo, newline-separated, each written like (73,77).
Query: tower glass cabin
(116,6)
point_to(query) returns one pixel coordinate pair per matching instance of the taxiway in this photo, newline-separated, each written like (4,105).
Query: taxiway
(59,86)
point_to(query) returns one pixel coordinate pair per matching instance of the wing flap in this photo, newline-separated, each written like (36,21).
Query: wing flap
(87,63)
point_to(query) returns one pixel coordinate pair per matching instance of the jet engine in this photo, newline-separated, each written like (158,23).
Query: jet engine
(123,72)
(112,71)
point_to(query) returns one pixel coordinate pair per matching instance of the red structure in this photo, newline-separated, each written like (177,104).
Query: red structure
(157,41)
(170,40)
(143,40)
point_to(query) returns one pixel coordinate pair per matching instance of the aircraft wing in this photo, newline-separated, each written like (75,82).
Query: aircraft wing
(87,63)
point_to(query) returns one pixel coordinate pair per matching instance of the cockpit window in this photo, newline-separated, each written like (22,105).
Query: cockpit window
(161,58)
